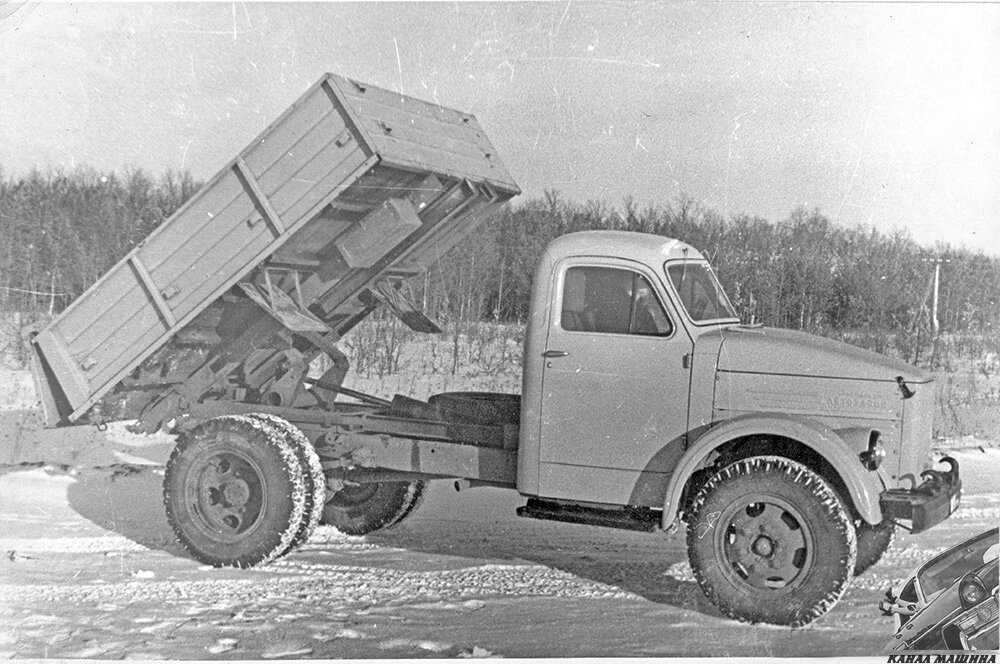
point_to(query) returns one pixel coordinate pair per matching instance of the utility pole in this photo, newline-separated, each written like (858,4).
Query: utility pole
(937,281)
(935,289)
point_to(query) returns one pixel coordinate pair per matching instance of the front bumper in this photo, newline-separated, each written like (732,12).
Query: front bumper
(928,504)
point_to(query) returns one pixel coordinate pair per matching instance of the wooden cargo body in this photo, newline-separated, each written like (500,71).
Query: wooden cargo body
(350,185)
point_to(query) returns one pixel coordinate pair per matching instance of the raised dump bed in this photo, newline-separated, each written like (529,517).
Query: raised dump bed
(353,188)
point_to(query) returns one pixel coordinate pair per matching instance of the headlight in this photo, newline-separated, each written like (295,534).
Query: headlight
(971,591)
(872,457)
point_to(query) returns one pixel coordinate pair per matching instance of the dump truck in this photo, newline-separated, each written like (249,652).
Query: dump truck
(645,403)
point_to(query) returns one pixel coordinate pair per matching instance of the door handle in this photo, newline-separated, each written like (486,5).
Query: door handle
(555,353)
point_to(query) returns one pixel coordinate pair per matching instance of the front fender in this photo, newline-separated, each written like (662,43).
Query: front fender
(863,486)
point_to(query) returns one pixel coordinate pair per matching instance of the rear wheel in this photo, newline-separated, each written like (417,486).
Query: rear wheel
(770,541)
(312,475)
(234,492)
(358,509)
(873,542)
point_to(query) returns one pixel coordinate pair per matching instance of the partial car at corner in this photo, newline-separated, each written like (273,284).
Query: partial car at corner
(950,602)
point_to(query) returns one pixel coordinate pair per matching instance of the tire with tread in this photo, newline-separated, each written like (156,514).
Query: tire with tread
(365,508)
(769,540)
(873,542)
(234,492)
(315,480)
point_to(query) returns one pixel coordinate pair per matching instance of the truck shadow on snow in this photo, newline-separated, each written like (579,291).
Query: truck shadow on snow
(485,528)
(127,500)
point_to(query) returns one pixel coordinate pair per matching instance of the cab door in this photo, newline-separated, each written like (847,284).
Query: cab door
(615,385)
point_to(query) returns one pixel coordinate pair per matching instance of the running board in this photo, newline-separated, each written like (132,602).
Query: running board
(627,518)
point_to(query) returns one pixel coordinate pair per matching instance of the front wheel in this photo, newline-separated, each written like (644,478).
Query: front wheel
(770,541)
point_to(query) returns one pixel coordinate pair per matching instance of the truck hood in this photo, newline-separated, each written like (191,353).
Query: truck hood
(771,350)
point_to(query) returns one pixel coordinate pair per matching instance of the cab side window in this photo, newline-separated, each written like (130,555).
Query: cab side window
(611,301)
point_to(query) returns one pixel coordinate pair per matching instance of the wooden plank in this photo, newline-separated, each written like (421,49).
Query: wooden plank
(226,236)
(313,176)
(392,99)
(463,128)
(428,158)
(297,154)
(129,361)
(402,130)
(155,296)
(335,92)
(422,158)
(429,120)
(260,198)
(298,127)
(216,214)
(81,327)
(379,185)
(143,328)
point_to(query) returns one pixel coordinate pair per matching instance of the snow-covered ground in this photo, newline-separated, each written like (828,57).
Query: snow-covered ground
(89,569)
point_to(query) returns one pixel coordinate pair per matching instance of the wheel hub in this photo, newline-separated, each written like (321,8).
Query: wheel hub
(236,493)
(228,493)
(764,545)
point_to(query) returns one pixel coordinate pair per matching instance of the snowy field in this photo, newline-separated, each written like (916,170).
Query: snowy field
(89,569)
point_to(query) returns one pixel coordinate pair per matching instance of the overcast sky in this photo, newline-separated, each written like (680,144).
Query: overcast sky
(883,114)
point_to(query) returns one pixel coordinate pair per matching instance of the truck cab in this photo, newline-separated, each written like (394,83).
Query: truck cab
(607,384)
(646,400)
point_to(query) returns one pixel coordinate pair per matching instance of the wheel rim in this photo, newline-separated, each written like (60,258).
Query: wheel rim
(227,494)
(764,544)
(353,495)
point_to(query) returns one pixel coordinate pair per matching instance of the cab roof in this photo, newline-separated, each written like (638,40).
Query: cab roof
(645,247)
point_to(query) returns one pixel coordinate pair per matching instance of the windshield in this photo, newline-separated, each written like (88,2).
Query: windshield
(970,556)
(700,292)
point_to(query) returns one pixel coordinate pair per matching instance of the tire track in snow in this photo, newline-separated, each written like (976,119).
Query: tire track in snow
(334,583)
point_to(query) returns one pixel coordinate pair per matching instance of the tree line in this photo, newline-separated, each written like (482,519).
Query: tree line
(803,272)
(61,231)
